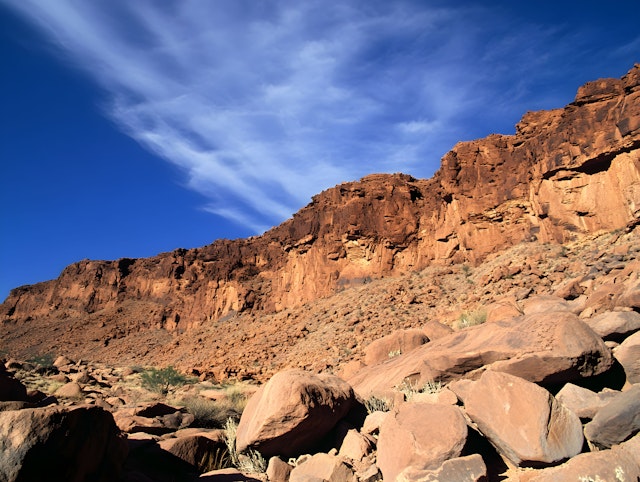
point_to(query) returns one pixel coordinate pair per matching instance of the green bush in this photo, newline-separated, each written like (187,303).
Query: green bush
(163,380)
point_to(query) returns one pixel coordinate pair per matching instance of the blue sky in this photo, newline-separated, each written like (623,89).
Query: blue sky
(130,128)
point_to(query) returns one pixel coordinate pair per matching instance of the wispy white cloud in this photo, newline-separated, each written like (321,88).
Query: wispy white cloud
(263,104)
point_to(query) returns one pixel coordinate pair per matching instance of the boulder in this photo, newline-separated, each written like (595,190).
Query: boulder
(11,389)
(396,343)
(584,403)
(278,470)
(69,390)
(630,297)
(59,444)
(619,464)
(615,325)
(503,309)
(373,422)
(420,435)
(617,421)
(434,329)
(322,467)
(199,450)
(468,469)
(628,355)
(550,347)
(356,446)
(523,421)
(293,412)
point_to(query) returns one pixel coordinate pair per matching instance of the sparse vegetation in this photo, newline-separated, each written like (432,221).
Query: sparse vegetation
(375,404)
(471,318)
(163,380)
(43,363)
(410,389)
(252,461)
(395,353)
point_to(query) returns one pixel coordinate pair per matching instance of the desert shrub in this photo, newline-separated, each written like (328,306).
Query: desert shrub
(394,353)
(375,404)
(162,380)
(209,413)
(215,460)
(43,363)
(471,318)
(252,461)
(410,389)
(236,399)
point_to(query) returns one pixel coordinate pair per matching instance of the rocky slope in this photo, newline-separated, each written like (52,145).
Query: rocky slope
(565,172)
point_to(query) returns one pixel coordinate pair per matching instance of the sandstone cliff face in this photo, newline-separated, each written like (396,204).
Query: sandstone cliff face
(566,171)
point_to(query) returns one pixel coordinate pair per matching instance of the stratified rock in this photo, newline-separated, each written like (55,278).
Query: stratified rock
(548,347)
(584,403)
(620,464)
(325,467)
(468,469)
(293,412)
(420,435)
(617,421)
(60,444)
(522,420)
(628,354)
(396,343)
(615,325)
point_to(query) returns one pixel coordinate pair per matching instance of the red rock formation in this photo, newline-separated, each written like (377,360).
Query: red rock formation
(568,170)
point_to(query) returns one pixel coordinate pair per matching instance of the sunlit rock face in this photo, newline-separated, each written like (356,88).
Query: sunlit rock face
(566,171)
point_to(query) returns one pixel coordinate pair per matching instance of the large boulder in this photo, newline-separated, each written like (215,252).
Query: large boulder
(550,347)
(523,421)
(198,450)
(293,412)
(583,402)
(628,355)
(615,325)
(617,421)
(60,444)
(420,435)
(468,469)
(396,343)
(10,388)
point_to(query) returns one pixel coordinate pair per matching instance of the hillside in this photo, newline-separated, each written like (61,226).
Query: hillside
(385,252)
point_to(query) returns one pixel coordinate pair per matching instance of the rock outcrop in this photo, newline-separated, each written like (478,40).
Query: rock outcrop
(566,171)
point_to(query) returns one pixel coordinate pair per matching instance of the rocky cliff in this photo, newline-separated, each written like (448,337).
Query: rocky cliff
(566,171)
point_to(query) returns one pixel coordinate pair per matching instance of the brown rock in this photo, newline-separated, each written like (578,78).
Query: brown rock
(615,325)
(196,450)
(325,467)
(10,388)
(356,446)
(469,469)
(620,464)
(522,420)
(630,297)
(396,343)
(420,435)
(628,354)
(617,421)
(278,471)
(584,403)
(60,444)
(293,412)
(545,347)
(227,475)
(434,330)
(503,310)
(373,422)
(69,390)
